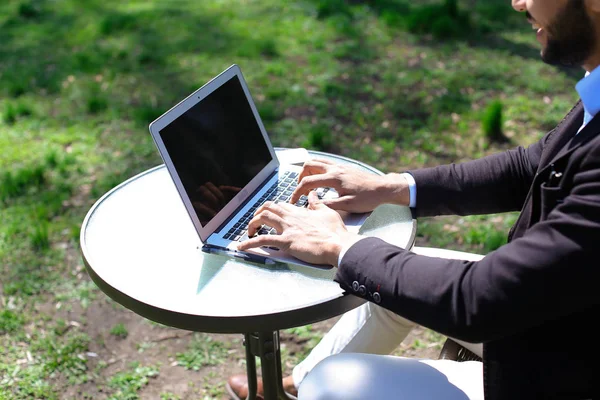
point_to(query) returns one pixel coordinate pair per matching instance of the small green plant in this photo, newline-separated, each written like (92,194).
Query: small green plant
(388,146)
(492,122)
(28,10)
(96,104)
(443,21)
(114,23)
(61,327)
(39,236)
(64,354)
(16,88)
(169,396)
(52,158)
(127,384)
(146,114)
(9,321)
(268,111)
(202,350)
(119,330)
(485,236)
(309,339)
(12,112)
(268,47)
(327,8)
(319,138)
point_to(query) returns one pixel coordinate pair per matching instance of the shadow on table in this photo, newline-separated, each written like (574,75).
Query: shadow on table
(213,264)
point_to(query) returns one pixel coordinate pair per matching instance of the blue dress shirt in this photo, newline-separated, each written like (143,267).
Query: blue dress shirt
(589,91)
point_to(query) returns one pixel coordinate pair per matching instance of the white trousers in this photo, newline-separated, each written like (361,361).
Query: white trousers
(352,360)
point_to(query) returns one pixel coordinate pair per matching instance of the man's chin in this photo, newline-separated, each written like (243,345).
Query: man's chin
(552,58)
(556,54)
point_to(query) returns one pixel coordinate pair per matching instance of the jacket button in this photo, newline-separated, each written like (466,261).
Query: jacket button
(362,290)
(377,297)
(355,286)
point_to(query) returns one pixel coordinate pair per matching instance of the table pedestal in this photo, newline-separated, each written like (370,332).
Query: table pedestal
(266,346)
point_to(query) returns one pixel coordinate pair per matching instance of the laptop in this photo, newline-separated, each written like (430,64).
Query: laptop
(219,156)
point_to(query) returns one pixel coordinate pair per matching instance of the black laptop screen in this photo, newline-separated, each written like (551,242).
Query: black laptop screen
(217,148)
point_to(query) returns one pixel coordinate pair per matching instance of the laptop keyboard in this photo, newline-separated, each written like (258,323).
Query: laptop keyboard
(280,191)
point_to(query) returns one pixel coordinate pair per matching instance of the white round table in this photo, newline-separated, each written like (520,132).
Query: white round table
(140,247)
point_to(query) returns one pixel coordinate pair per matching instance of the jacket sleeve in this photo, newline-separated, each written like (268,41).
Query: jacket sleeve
(492,184)
(549,272)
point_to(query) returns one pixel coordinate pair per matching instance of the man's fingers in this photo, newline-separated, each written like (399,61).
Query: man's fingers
(271,206)
(263,240)
(313,167)
(265,217)
(309,183)
(343,203)
(314,202)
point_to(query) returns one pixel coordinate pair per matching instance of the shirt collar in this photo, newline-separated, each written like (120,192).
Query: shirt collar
(589,91)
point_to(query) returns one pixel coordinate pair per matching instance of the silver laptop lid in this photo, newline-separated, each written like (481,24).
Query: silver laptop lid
(216,149)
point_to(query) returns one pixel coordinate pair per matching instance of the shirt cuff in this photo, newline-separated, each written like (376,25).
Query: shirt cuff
(412,189)
(347,247)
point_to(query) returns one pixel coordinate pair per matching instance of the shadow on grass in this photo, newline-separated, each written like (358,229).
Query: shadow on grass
(483,25)
(49,49)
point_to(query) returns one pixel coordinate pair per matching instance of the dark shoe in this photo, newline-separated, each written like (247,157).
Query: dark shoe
(237,387)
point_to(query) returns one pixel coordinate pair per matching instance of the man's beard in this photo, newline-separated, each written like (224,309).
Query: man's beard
(571,37)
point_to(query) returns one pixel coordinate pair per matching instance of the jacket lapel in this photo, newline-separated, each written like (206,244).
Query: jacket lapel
(564,132)
(573,142)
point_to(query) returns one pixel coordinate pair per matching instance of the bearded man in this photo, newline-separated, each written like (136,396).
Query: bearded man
(521,301)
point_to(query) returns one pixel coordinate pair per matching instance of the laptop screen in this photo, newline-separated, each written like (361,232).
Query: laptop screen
(216,147)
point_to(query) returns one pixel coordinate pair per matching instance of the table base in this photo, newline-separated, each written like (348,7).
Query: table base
(266,346)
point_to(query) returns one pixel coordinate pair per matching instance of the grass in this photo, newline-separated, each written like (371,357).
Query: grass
(10,321)
(492,122)
(64,354)
(80,84)
(202,351)
(119,331)
(127,384)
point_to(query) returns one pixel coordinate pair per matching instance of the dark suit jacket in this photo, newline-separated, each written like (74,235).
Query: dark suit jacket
(533,301)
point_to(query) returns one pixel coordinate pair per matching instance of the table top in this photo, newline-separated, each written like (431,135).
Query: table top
(140,247)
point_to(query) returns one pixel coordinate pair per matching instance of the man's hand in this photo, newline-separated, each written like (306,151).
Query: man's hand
(315,234)
(358,191)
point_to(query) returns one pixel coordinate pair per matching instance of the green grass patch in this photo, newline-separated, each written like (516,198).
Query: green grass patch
(319,138)
(65,354)
(306,335)
(29,10)
(83,291)
(40,236)
(203,350)
(127,384)
(492,122)
(15,111)
(120,331)
(443,21)
(10,321)
(13,184)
